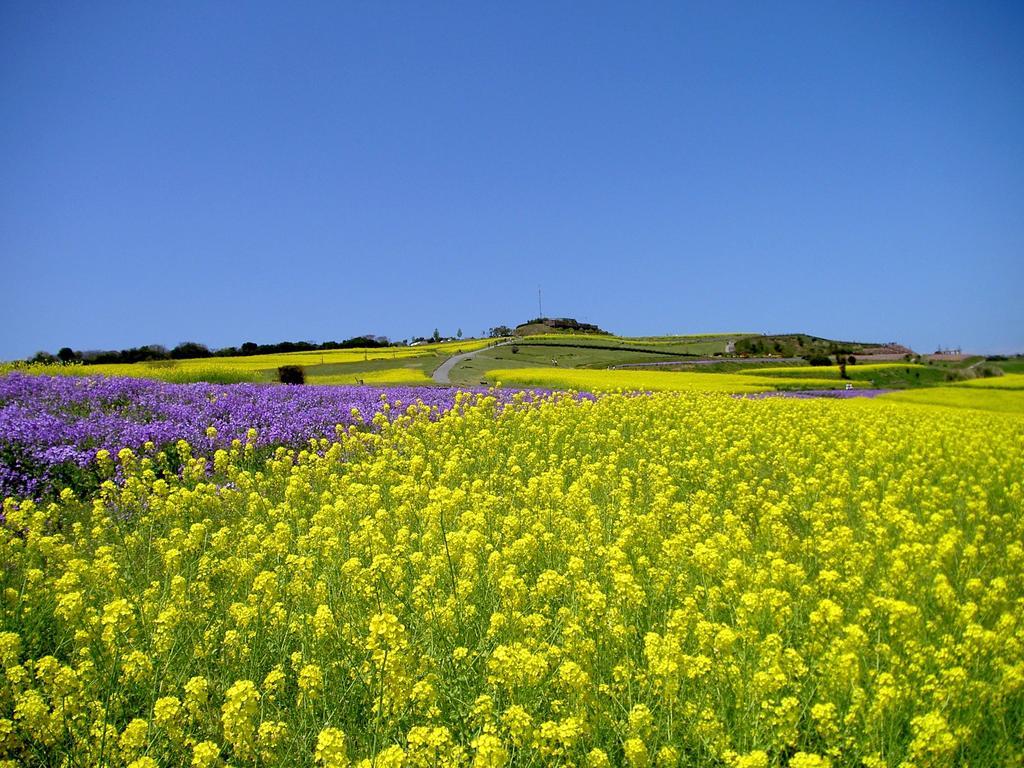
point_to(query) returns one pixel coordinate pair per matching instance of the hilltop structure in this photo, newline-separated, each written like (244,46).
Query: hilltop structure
(556,324)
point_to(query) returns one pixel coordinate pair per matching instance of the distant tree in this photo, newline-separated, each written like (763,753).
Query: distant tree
(458,333)
(436,337)
(291,374)
(294,346)
(841,359)
(190,349)
(499,331)
(364,341)
(132,355)
(67,355)
(42,356)
(97,356)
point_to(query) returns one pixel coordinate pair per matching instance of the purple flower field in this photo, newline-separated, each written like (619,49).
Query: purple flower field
(52,423)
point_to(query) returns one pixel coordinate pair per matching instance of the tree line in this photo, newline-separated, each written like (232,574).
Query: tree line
(192,349)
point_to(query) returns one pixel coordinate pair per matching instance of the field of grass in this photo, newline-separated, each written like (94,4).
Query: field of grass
(881,375)
(687,337)
(696,338)
(669,345)
(1013,365)
(564,350)
(472,371)
(650,381)
(666,580)
(724,366)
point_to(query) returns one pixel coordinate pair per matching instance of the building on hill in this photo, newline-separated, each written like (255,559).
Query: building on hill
(948,355)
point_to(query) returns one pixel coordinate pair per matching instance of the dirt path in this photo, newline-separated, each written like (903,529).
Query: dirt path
(442,375)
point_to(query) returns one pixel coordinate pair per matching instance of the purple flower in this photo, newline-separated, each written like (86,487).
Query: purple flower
(53,423)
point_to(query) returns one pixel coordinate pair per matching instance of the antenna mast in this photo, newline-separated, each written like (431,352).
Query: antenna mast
(540,307)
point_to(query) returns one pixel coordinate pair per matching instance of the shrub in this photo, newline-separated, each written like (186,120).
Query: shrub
(189,350)
(291,374)
(980,371)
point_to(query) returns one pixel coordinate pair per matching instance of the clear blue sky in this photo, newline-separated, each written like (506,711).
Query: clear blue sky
(223,172)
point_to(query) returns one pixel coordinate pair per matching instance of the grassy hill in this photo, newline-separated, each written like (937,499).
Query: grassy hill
(883,375)
(560,358)
(804,345)
(562,350)
(659,353)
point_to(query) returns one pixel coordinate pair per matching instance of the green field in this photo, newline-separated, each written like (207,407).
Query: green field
(706,345)
(473,371)
(880,375)
(562,350)
(1013,365)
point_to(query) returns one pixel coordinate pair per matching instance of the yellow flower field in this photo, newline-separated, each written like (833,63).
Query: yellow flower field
(385,376)
(999,400)
(676,579)
(650,381)
(859,371)
(1007,381)
(248,368)
(327,357)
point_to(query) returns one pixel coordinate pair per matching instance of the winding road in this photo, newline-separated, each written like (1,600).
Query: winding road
(443,372)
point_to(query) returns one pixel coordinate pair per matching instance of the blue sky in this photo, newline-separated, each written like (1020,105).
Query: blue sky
(224,172)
